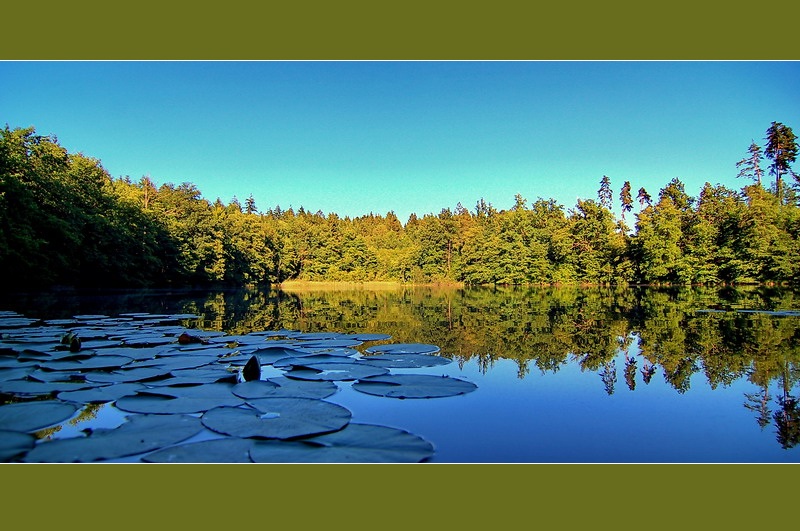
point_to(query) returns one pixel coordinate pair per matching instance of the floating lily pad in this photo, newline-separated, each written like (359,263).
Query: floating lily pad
(96,362)
(56,376)
(138,354)
(31,388)
(31,416)
(139,434)
(278,418)
(329,343)
(136,374)
(107,393)
(356,443)
(413,386)
(18,373)
(403,348)
(148,341)
(406,361)
(225,450)
(99,343)
(14,443)
(268,356)
(175,400)
(282,387)
(311,359)
(173,363)
(335,371)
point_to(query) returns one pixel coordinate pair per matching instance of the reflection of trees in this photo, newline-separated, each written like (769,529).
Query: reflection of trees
(787,420)
(541,329)
(544,328)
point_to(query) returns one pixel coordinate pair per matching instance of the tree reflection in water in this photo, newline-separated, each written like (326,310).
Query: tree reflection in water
(723,334)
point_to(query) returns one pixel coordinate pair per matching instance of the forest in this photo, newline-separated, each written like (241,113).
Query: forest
(64,221)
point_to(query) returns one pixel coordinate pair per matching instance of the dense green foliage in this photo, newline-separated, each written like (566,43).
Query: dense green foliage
(65,221)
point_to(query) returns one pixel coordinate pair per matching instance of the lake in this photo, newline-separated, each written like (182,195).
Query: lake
(563,375)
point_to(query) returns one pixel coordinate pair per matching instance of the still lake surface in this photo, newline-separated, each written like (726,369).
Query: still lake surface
(564,375)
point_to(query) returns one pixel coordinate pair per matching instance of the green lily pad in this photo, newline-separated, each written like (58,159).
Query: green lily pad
(278,418)
(32,416)
(311,359)
(329,343)
(413,386)
(403,348)
(282,387)
(107,393)
(136,374)
(138,434)
(31,388)
(406,361)
(268,356)
(18,373)
(173,363)
(225,450)
(335,371)
(96,362)
(356,443)
(14,443)
(176,400)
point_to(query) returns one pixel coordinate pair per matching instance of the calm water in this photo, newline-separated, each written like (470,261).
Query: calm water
(566,375)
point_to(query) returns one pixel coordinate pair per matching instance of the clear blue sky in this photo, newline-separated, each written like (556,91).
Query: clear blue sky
(360,137)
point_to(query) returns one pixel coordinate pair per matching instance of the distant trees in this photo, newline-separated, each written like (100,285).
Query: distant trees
(65,220)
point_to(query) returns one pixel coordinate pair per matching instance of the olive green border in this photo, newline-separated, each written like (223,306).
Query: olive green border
(398,30)
(555,496)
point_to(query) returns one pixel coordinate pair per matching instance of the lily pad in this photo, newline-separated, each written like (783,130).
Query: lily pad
(282,387)
(225,450)
(403,348)
(278,418)
(96,362)
(14,443)
(139,434)
(335,371)
(176,400)
(18,373)
(31,388)
(329,343)
(31,416)
(313,358)
(406,361)
(268,356)
(356,443)
(107,393)
(173,363)
(413,386)
(136,374)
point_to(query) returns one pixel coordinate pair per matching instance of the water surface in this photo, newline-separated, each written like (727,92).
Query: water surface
(568,375)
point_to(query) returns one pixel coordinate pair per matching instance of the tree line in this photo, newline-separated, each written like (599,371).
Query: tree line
(65,221)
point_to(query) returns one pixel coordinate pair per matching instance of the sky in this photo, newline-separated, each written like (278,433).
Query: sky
(354,137)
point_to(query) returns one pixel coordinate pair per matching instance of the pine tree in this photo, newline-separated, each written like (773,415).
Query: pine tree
(625,198)
(644,197)
(604,194)
(750,166)
(782,149)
